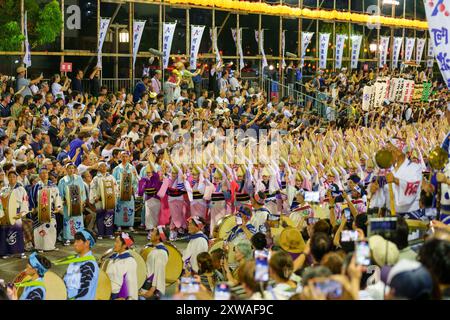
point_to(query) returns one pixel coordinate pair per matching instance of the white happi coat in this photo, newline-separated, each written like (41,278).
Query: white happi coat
(407,193)
(116,270)
(156,267)
(195,246)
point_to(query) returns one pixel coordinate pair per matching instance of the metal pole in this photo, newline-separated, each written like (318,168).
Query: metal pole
(238,38)
(188,37)
(98,31)
(317,39)
(378,52)
(349,49)
(392,38)
(280,54)
(160,35)
(22,21)
(261,75)
(334,39)
(131,18)
(116,60)
(62,30)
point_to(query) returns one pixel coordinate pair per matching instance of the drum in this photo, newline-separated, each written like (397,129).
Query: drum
(73,200)
(10,209)
(231,253)
(126,187)
(285,221)
(54,286)
(224,226)
(174,267)
(107,194)
(104,288)
(44,209)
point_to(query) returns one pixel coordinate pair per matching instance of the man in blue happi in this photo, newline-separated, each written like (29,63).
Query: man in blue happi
(33,286)
(124,215)
(71,224)
(81,278)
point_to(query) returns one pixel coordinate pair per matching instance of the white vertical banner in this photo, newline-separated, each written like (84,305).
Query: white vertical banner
(259,37)
(356,48)
(340,41)
(168,32)
(398,42)
(306,40)
(438,25)
(241,52)
(138,30)
(383,47)
(213,34)
(237,37)
(27,56)
(409,48)
(283,48)
(419,49)
(430,54)
(104,24)
(324,39)
(368,92)
(196,39)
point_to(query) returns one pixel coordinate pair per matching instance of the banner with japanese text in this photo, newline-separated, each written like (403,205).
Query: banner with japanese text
(384,46)
(419,49)
(356,48)
(196,39)
(27,57)
(104,24)
(168,32)
(340,41)
(324,39)
(439,26)
(409,48)
(138,29)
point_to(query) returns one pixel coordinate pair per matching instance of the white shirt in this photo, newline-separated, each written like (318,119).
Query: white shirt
(156,85)
(195,246)
(234,84)
(156,265)
(57,90)
(133,135)
(116,270)
(221,100)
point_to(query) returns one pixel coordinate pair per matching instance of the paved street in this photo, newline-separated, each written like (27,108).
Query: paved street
(9,268)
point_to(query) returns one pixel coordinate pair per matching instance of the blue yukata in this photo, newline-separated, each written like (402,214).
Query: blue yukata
(124,215)
(81,278)
(71,225)
(33,290)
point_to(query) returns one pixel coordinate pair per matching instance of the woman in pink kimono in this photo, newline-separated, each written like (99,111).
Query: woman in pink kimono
(198,204)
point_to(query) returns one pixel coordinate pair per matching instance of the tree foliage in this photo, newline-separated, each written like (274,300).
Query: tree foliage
(44,23)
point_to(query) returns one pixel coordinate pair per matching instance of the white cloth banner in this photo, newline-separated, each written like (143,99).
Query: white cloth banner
(138,30)
(340,41)
(368,91)
(213,34)
(324,39)
(27,56)
(398,42)
(430,54)
(306,40)
(196,39)
(380,92)
(438,25)
(419,50)
(408,91)
(283,48)
(260,40)
(384,45)
(168,32)
(409,48)
(356,48)
(237,37)
(104,24)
